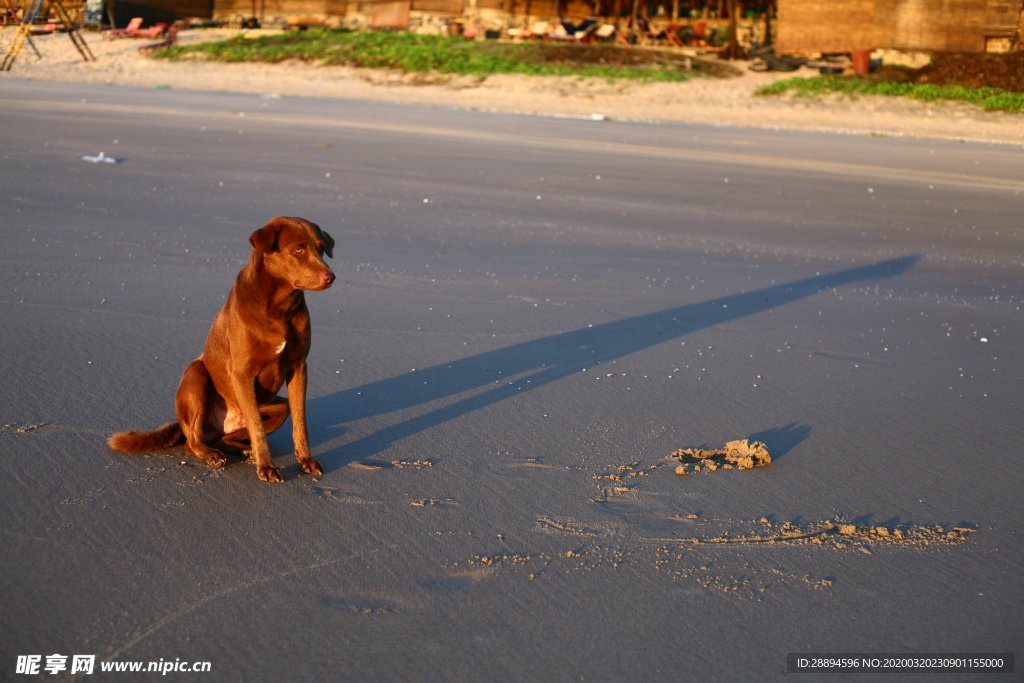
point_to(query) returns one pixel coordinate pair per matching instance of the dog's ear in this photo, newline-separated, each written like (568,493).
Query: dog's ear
(265,239)
(328,243)
(323,237)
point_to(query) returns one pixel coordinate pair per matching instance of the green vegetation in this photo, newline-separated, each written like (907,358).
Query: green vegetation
(417,53)
(990,99)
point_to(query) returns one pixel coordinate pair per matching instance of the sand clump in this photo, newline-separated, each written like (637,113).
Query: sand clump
(736,455)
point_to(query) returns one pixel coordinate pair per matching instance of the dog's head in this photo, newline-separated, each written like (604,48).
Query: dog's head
(293,250)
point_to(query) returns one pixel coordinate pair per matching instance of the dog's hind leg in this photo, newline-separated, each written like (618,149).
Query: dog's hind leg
(193,404)
(272,415)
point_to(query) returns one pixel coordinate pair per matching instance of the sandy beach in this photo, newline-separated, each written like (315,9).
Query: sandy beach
(596,399)
(720,102)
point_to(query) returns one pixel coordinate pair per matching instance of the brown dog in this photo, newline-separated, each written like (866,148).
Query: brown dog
(258,342)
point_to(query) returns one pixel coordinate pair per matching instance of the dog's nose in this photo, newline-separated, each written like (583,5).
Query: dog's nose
(327,277)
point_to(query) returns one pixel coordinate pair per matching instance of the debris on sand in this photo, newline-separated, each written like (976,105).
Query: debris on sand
(417,463)
(499,559)
(632,470)
(23,429)
(434,502)
(100,158)
(739,455)
(840,534)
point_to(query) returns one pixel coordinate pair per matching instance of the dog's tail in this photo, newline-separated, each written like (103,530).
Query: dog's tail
(168,436)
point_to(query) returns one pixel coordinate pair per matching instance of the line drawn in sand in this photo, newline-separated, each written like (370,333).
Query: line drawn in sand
(569,526)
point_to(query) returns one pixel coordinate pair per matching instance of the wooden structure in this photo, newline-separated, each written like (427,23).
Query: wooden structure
(926,25)
(30,14)
(270,12)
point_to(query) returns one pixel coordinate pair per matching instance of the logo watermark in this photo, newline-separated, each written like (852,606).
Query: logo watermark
(33,665)
(902,662)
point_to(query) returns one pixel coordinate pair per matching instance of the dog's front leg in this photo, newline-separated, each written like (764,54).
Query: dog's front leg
(245,394)
(297,406)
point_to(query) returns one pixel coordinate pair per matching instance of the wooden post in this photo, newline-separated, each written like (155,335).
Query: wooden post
(733,51)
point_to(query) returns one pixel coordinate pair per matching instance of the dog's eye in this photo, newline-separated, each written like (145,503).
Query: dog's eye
(298,251)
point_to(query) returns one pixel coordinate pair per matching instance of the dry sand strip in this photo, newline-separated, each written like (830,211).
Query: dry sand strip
(720,102)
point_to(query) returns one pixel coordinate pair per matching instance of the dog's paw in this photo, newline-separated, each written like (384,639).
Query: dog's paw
(311,466)
(215,459)
(269,473)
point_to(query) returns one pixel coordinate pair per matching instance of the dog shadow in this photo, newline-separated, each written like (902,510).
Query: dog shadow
(451,390)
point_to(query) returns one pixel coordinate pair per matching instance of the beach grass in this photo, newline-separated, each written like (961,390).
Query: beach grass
(988,98)
(413,53)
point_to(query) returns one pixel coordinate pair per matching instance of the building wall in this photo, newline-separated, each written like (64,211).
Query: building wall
(844,25)
(272,10)
(439,6)
(827,25)
(936,24)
